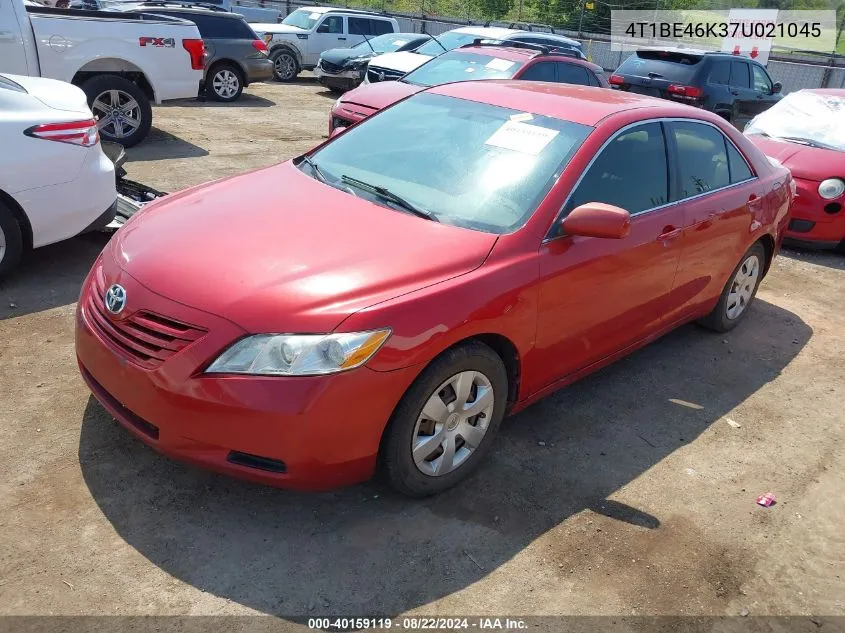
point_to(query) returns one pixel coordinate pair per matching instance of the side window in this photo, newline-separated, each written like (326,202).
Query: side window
(572,74)
(739,169)
(630,172)
(739,75)
(720,73)
(762,83)
(544,71)
(594,81)
(380,27)
(702,160)
(359,26)
(331,24)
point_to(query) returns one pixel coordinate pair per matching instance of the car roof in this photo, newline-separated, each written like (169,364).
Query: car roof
(511,53)
(177,7)
(579,104)
(342,10)
(541,35)
(489,32)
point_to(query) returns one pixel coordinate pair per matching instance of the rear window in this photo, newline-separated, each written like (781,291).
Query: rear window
(367,26)
(8,84)
(662,64)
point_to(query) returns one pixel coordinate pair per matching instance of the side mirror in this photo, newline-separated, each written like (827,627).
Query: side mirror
(323,28)
(337,131)
(777,87)
(596,219)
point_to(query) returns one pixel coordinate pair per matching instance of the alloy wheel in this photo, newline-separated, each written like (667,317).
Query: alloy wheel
(452,424)
(742,288)
(285,65)
(2,244)
(225,83)
(118,113)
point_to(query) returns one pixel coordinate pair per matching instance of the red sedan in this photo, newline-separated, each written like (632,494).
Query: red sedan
(471,62)
(806,133)
(385,299)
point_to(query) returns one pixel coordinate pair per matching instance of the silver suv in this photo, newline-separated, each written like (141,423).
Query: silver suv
(297,43)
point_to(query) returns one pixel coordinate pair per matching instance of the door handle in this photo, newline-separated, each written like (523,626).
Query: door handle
(735,93)
(341,39)
(669,233)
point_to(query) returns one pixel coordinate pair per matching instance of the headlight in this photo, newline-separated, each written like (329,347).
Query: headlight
(299,354)
(831,188)
(337,103)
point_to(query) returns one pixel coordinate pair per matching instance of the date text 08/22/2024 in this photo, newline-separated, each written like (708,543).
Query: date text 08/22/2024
(416,623)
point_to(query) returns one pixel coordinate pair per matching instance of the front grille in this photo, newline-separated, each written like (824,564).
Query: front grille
(375,75)
(146,338)
(338,122)
(329,67)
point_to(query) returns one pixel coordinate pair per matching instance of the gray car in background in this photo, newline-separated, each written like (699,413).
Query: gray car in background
(236,57)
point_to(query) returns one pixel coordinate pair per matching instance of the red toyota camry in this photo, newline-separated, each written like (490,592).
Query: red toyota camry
(385,299)
(806,133)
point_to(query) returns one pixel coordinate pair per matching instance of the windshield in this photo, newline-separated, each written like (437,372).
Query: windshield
(465,163)
(461,66)
(387,43)
(449,40)
(805,116)
(302,18)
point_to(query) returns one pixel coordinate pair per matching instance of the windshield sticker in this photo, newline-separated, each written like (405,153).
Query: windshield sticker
(522,116)
(522,137)
(400,42)
(499,64)
(314,16)
(469,69)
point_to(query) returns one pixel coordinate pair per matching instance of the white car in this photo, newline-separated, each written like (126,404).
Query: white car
(392,66)
(55,180)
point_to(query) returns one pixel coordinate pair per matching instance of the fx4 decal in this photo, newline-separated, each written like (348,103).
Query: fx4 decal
(159,42)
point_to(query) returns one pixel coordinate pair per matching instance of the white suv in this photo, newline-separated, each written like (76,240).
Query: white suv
(297,42)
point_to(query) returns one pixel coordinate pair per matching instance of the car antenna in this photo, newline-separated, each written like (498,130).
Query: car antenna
(438,42)
(367,40)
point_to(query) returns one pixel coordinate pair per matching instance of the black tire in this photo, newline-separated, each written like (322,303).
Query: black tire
(101,85)
(718,319)
(395,457)
(336,90)
(285,65)
(230,72)
(11,240)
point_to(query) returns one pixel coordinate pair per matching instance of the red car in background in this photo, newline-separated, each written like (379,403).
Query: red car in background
(806,133)
(477,61)
(400,288)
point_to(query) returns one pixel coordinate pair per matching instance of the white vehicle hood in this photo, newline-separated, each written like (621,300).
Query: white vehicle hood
(58,95)
(276,29)
(404,61)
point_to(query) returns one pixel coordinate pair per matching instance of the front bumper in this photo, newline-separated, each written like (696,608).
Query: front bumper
(306,433)
(345,80)
(344,115)
(815,221)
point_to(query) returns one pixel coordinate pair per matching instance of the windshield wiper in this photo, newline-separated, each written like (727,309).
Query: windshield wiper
(445,50)
(315,170)
(809,141)
(386,194)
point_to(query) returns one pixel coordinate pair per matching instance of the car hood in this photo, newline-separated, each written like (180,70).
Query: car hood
(276,250)
(54,94)
(404,61)
(807,163)
(380,95)
(340,56)
(276,29)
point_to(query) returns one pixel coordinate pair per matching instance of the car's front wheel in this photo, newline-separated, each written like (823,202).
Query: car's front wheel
(739,292)
(446,421)
(285,66)
(11,240)
(224,83)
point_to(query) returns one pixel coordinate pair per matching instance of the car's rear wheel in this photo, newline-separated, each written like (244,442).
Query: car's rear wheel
(739,292)
(123,112)
(446,421)
(11,240)
(285,66)
(224,83)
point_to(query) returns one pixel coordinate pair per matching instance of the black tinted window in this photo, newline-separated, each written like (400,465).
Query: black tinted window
(702,161)
(213,27)
(380,27)
(359,26)
(739,75)
(572,74)
(671,65)
(544,71)
(630,172)
(332,24)
(720,73)
(739,169)
(762,83)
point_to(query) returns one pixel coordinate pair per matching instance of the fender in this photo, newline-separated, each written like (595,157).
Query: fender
(291,46)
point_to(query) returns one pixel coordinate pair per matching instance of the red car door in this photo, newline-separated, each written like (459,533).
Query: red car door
(600,296)
(715,186)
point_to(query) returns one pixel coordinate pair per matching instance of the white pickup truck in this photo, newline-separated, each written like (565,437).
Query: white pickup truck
(123,62)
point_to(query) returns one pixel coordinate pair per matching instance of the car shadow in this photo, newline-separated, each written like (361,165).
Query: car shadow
(364,550)
(246,100)
(826,258)
(160,145)
(50,276)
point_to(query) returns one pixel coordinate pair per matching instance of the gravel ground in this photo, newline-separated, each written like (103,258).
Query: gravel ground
(612,497)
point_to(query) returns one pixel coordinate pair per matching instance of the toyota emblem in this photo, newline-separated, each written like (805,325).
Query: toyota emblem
(381,76)
(115,299)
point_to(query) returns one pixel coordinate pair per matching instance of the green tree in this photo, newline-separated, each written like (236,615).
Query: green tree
(492,9)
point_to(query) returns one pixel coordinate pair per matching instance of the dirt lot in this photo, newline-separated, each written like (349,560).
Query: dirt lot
(610,497)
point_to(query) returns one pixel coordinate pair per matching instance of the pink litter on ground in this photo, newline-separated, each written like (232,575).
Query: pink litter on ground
(766,500)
